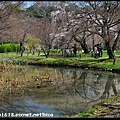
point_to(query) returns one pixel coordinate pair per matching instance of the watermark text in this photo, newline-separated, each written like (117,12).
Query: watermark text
(34,115)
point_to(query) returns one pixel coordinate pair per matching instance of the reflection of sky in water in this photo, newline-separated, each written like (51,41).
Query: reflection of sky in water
(30,106)
(77,85)
(91,94)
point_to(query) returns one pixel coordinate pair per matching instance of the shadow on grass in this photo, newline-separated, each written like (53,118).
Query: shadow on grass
(95,60)
(102,60)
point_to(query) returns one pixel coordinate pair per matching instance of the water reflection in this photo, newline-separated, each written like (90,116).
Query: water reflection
(25,105)
(55,91)
(110,87)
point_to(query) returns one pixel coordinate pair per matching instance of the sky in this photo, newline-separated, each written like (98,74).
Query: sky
(29,3)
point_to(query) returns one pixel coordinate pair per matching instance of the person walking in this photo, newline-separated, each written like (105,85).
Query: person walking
(96,53)
(75,50)
(98,49)
(67,52)
(101,49)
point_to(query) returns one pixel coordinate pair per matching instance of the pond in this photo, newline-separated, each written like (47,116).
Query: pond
(35,91)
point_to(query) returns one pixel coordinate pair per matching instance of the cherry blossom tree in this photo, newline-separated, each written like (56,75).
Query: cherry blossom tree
(73,27)
(104,19)
(100,18)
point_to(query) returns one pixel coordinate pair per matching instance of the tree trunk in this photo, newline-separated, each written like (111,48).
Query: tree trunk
(22,50)
(109,51)
(38,53)
(116,40)
(45,53)
(85,48)
(21,44)
(83,44)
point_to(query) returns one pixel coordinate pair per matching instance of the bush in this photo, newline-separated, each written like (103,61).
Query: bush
(9,47)
(1,49)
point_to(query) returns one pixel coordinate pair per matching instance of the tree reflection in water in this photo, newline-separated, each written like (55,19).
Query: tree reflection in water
(109,84)
(67,91)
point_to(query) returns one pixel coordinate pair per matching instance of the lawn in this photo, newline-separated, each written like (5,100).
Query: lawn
(84,60)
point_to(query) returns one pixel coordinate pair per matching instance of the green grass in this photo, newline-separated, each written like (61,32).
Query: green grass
(84,60)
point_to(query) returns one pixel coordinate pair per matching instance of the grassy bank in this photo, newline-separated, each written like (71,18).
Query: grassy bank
(108,108)
(84,61)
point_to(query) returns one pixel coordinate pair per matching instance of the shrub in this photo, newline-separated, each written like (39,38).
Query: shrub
(9,47)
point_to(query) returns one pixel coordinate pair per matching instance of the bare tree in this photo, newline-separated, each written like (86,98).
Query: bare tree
(6,10)
(43,28)
(42,31)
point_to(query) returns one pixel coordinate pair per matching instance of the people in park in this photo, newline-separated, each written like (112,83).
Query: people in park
(75,50)
(101,49)
(67,52)
(96,53)
(98,50)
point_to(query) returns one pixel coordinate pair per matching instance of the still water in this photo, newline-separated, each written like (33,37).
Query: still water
(35,91)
